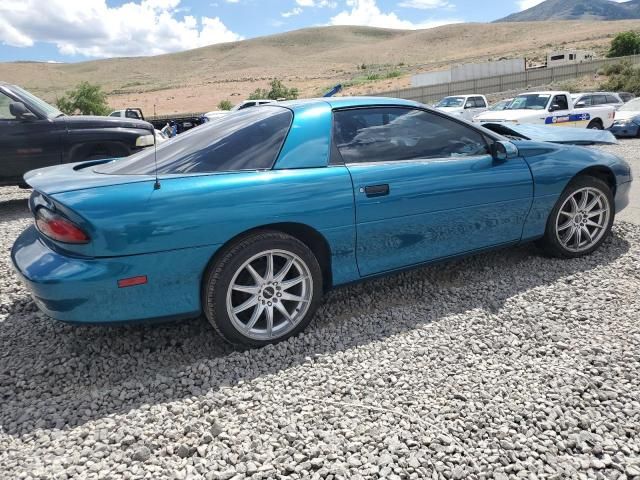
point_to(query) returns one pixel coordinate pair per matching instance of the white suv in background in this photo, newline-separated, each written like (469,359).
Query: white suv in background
(465,106)
(592,99)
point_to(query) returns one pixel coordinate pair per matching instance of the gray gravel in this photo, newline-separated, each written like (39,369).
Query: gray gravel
(504,365)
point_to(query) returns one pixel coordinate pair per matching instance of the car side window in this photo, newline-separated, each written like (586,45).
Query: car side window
(586,100)
(480,103)
(5,108)
(388,134)
(561,101)
(599,100)
(612,99)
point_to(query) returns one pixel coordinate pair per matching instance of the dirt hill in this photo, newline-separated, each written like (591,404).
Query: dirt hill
(577,10)
(364,59)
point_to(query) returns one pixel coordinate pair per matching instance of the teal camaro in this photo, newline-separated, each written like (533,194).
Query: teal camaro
(250,218)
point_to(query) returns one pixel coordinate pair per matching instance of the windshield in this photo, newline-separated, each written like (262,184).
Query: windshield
(531,101)
(246,140)
(502,105)
(631,106)
(451,102)
(49,111)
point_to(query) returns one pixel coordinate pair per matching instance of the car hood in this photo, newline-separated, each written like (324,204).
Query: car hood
(507,115)
(450,109)
(94,121)
(551,134)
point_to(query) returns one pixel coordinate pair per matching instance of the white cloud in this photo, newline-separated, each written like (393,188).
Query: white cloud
(526,4)
(292,13)
(367,13)
(91,28)
(317,3)
(425,4)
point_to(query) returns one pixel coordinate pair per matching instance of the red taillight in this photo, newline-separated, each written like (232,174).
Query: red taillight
(59,228)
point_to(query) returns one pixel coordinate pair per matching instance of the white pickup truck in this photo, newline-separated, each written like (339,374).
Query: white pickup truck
(550,108)
(465,106)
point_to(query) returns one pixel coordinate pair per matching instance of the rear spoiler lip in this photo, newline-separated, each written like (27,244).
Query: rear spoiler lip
(76,176)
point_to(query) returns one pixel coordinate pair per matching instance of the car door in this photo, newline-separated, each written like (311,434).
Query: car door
(478,106)
(25,144)
(559,113)
(426,187)
(470,109)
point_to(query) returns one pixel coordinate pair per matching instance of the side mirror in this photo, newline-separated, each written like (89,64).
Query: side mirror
(502,151)
(580,105)
(555,107)
(467,106)
(20,111)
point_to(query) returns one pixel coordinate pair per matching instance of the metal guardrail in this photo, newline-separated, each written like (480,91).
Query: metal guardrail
(504,83)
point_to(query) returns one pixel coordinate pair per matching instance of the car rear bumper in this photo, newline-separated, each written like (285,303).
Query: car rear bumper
(85,290)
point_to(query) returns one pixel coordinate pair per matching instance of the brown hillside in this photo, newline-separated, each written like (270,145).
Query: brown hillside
(312,59)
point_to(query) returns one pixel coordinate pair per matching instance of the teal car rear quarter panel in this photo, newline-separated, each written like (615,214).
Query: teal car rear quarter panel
(198,210)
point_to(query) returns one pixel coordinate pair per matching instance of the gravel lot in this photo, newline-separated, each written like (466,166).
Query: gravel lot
(504,365)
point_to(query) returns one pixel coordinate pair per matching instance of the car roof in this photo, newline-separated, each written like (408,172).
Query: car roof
(347,102)
(595,93)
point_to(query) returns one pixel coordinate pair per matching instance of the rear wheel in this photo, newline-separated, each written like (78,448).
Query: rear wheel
(262,290)
(595,125)
(581,219)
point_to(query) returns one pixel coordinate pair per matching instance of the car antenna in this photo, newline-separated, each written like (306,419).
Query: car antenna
(156,185)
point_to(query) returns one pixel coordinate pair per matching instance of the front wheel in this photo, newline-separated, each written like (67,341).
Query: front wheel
(262,290)
(581,219)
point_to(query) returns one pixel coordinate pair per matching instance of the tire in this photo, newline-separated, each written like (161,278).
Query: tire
(595,125)
(244,265)
(557,240)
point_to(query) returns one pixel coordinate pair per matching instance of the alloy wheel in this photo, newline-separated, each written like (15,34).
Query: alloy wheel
(269,294)
(582,219)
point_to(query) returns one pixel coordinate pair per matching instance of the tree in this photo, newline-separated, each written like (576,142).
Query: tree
(86,98)
(625,43)
(277,92)
(623,77)
(225,105)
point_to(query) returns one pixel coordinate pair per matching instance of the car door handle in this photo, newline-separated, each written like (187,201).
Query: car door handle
(376,190)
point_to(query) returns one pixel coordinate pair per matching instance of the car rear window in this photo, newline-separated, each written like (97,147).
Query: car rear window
(250,139)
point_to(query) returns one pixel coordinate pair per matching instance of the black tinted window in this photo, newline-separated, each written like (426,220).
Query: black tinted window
(479,102)
(612,99)
(599,100)
(245,140)
(561,101)
(391,134)
(586,100)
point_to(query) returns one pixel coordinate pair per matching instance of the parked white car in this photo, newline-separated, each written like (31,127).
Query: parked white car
(216,114)
(465,106)
(550,108)
(592,99)
(251,103)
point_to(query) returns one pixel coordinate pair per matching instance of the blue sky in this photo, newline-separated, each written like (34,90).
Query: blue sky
(76,30)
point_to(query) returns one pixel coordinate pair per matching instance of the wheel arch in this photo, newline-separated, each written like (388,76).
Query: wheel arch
(312,238)
(596,120)
(602,172)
